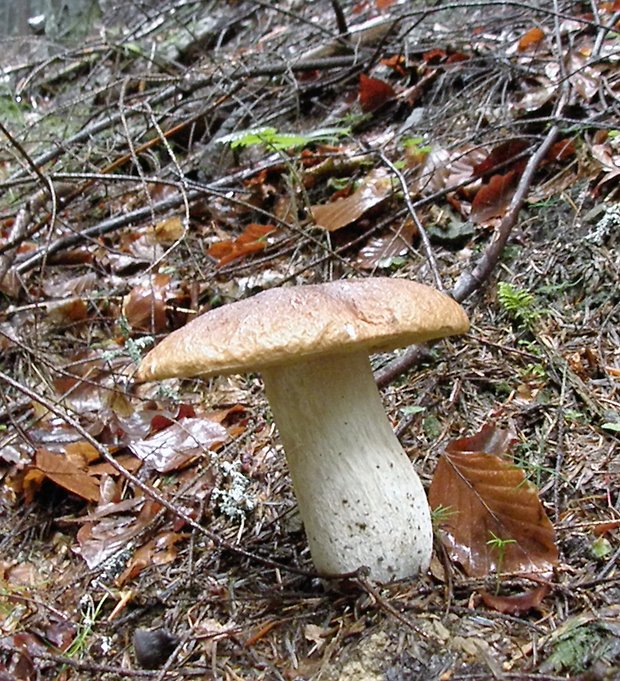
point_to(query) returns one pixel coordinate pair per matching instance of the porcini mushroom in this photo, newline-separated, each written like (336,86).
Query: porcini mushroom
(360,499)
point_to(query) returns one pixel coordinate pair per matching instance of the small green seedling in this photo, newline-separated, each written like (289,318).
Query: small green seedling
(499,545)
(272,138)
(440,514)
(84,629)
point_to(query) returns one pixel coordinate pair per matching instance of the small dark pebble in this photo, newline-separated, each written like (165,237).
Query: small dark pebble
(153,647)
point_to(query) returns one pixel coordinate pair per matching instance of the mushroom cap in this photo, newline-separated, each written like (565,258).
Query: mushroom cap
(286,325)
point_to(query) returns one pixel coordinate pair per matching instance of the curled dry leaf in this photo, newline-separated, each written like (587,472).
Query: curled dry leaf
(372,191)
(252,240)
(494,520)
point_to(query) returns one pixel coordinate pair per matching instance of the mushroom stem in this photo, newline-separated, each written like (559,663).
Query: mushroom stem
(360,499)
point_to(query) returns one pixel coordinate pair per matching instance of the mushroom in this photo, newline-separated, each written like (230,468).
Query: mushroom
(360,499)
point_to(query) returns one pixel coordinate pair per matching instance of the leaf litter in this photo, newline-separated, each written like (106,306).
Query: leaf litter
(182,210)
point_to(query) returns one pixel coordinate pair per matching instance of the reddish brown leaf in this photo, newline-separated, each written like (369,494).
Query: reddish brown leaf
(158,551)
(252,240)
(374,189)
(488,498)
(561,151)
(396,62)
(493,198)
(63,471)
(434,56)
(516,605)
(374,93)
(145,305)
(531,39)
(501,154)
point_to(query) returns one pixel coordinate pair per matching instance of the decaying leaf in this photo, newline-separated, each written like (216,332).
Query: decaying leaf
(374,93)
(373,189)
(496,522)
(252,240)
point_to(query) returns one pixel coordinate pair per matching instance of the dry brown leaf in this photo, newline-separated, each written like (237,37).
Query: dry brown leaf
(372,191)
(251,240)
(495,520)
(64,471)
(518,604)
(531,39)
(493,198)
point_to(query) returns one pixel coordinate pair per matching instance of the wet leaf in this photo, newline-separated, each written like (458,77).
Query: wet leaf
(519,604)
(496,521)
(178,445)
(252,240)
(374,93)
(145,305)
(372,191)
(380,251)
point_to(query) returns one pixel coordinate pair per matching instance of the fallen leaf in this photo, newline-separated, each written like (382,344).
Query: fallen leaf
(518,604)
(252,240)
(531,39)
(179,444)
(487,497)
(501,155)
(374,93)
(493,198)
(65,472)
(372,191)
(145,305)
(169,230)
(380,251)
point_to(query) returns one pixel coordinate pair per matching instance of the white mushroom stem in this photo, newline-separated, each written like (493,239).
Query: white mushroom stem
(360,499)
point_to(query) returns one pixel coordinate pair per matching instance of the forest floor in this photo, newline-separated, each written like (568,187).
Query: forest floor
(189,154)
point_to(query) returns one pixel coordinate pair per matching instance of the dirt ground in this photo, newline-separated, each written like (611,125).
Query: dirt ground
(192,156)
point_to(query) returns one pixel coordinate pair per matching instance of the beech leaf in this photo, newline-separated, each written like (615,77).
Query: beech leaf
(374,93)
(495,520)
(372,191)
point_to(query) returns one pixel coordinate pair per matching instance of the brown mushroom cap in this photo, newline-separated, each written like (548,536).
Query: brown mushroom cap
(285,325)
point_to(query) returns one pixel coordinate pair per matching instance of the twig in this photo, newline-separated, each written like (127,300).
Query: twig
(341,21)
(426,243)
